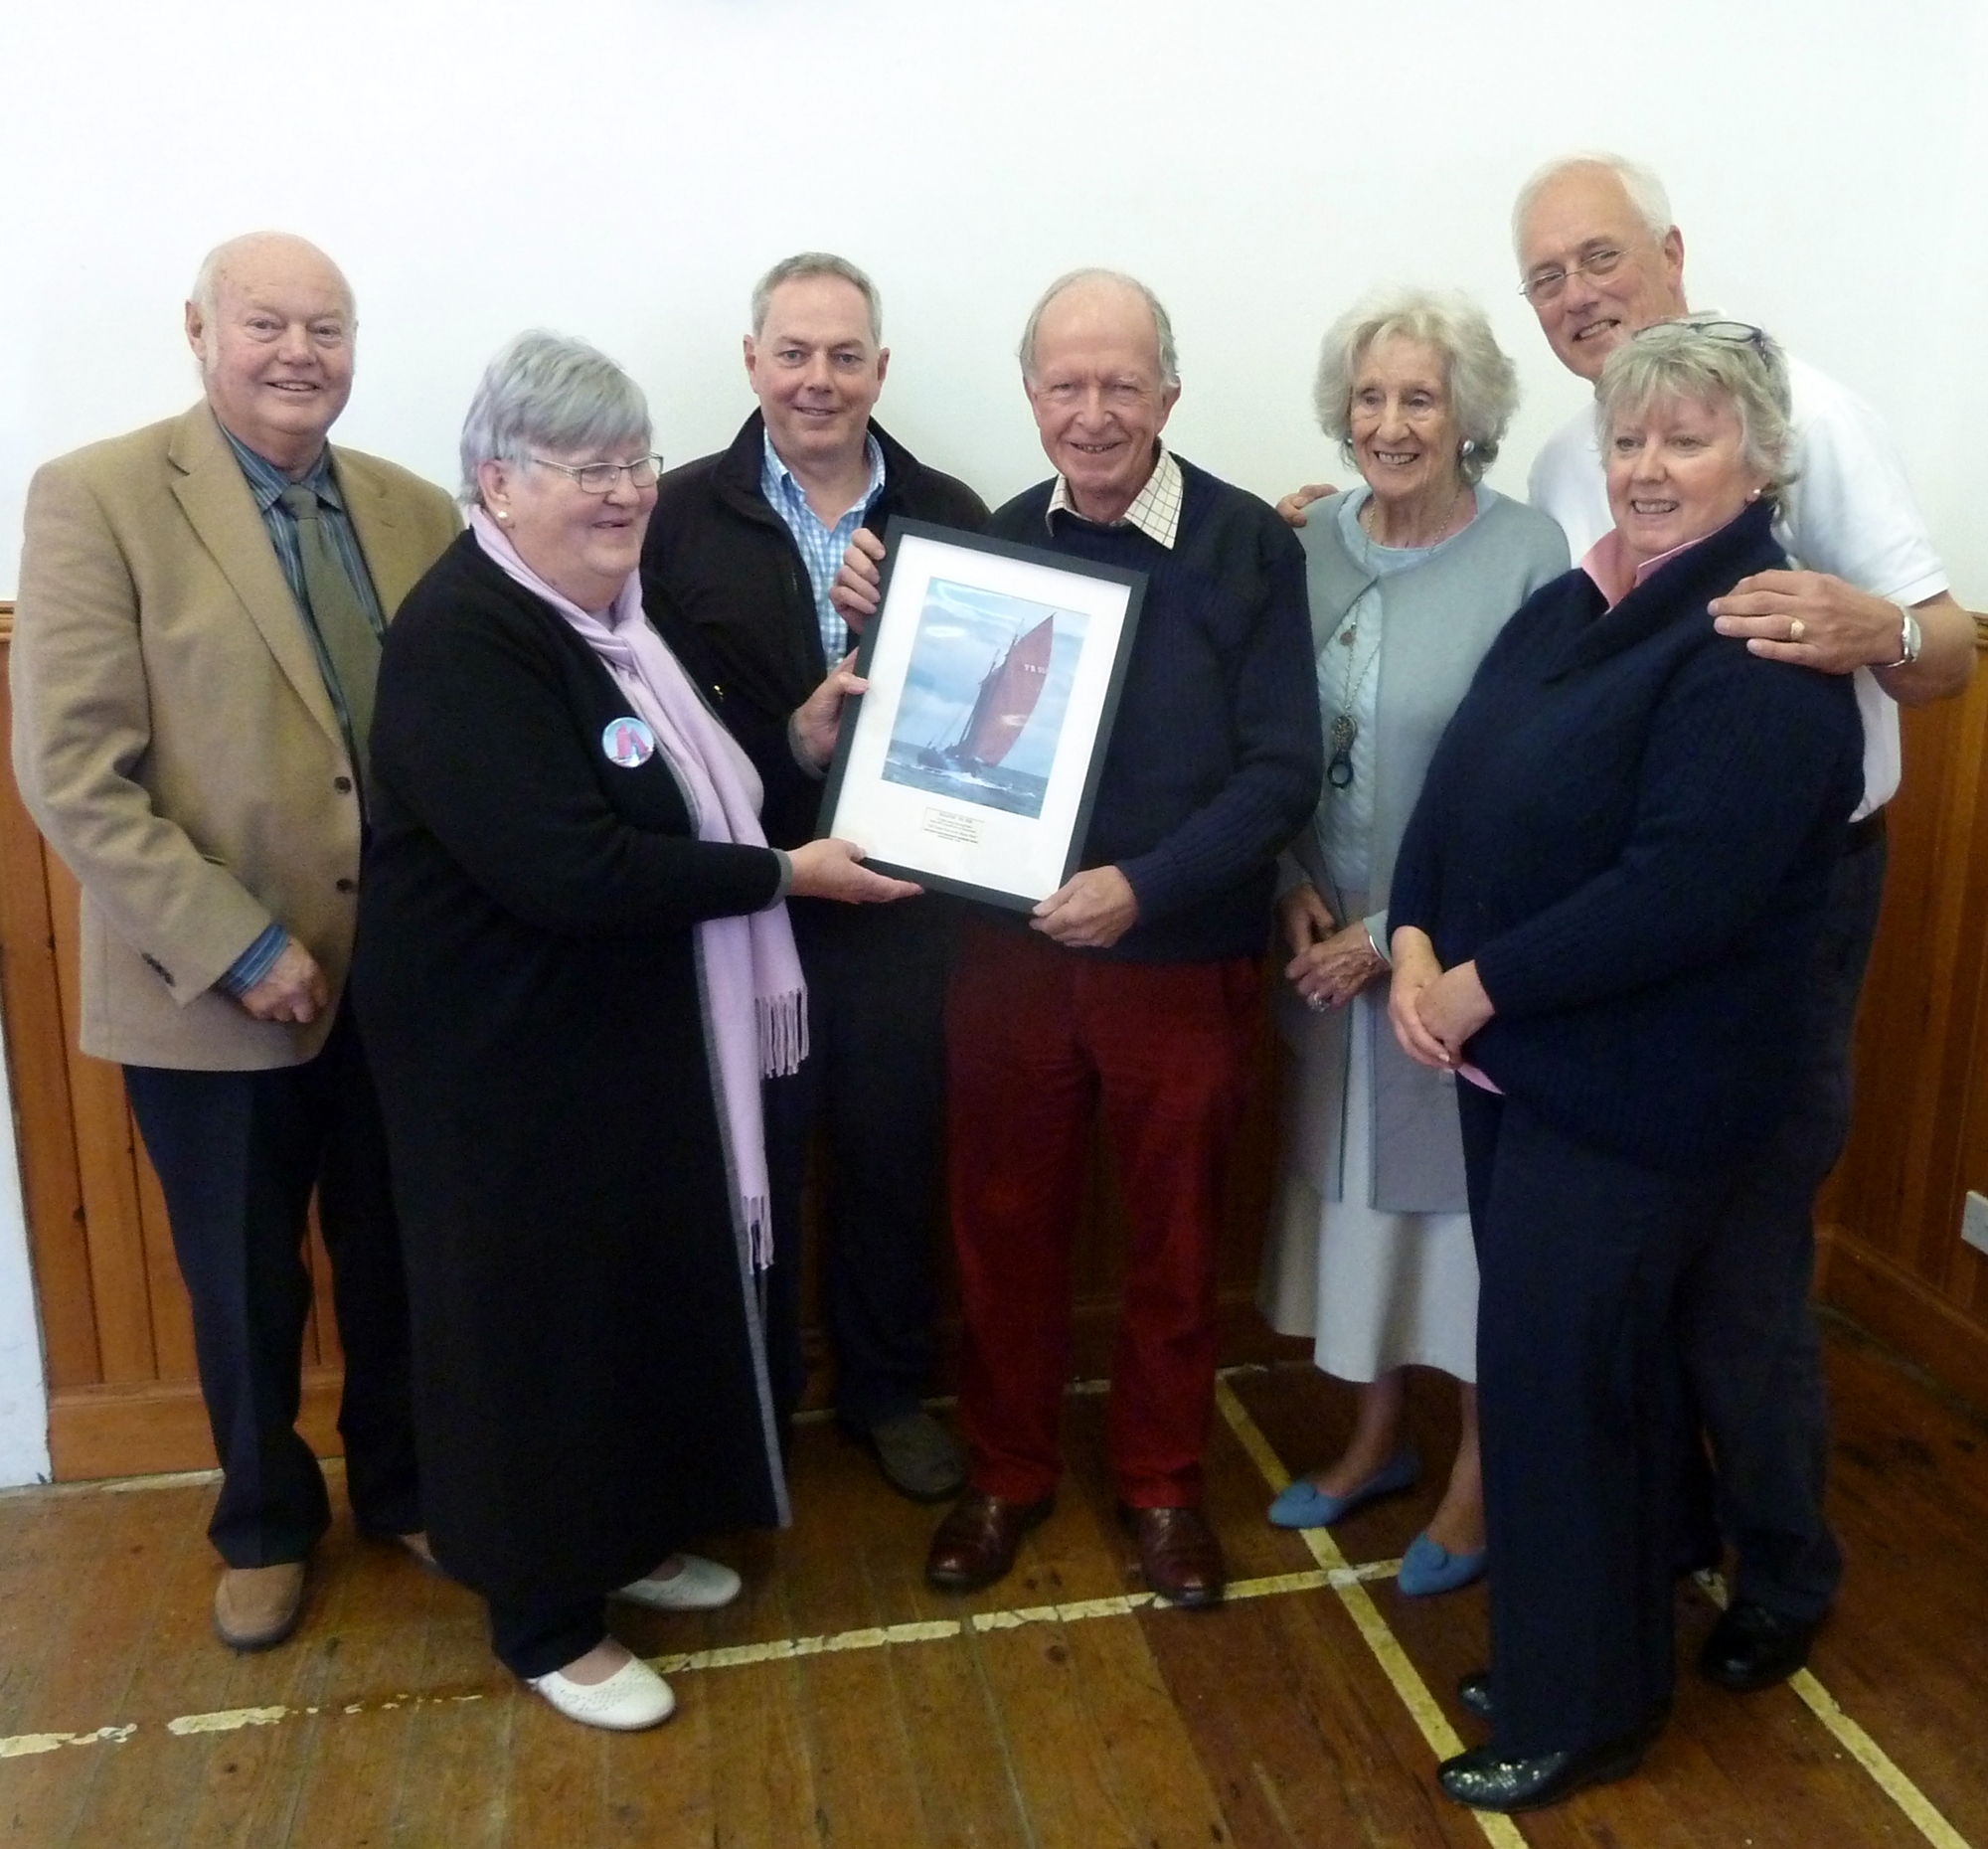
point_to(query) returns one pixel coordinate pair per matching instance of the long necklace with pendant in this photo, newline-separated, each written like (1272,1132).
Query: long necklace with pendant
(1345,728)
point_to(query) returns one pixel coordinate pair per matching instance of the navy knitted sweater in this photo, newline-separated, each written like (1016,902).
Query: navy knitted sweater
(1630,824)
(1216,758)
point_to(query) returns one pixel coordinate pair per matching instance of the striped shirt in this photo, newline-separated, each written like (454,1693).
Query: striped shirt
(1155,509)
(821,547)
(267,483)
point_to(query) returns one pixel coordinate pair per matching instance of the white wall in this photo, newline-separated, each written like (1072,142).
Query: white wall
(623,170)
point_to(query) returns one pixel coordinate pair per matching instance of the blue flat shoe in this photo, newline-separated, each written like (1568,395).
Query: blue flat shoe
(1304,1505)
(1429,1566)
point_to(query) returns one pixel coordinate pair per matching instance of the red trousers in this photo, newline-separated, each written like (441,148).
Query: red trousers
(1039,1038)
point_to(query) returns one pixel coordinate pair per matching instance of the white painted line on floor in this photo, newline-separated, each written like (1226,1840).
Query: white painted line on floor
(227,1720)
(742,1656)
(1923,1813)
(1333,1571)
(1413,1691)
(23,1744)
(1365,1613)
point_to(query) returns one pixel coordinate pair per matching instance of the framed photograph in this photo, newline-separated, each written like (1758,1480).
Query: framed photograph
(972,762)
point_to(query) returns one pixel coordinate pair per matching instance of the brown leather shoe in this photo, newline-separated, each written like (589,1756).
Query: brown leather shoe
(1179,1555)
(975,1544)
(256,1608)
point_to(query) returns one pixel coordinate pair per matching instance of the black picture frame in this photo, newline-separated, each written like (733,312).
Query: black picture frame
(995,670)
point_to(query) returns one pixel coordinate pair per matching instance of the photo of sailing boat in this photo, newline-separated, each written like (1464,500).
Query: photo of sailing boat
(985,692)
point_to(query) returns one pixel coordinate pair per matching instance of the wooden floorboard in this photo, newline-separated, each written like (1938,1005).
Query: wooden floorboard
(1059,1710)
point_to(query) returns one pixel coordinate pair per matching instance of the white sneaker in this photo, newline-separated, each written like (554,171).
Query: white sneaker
(632,1698)
(698,1585)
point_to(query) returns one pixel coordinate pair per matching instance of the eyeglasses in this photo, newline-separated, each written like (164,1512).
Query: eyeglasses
(601,478)
(1545,286)
(1727,333)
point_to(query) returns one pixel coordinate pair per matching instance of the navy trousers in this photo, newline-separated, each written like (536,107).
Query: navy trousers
(1581,1256)
(874,1082)
(534,1637)
(1752,1356)
(238,1155)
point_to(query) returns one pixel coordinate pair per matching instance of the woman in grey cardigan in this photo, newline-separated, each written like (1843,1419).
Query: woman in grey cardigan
(1410,580)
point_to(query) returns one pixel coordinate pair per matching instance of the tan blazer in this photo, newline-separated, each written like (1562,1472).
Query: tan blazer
(173,738)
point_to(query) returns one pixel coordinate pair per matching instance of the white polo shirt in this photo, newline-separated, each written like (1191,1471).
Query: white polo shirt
(1850,512)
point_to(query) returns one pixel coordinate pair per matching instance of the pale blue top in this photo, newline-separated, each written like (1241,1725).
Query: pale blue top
(1345,817)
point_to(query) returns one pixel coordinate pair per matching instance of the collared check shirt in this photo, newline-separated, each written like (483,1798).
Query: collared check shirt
(267,483)
(1155,510)
(821,546)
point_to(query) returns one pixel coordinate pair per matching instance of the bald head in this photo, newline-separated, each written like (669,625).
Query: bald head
(1106,291)
(255,250)
(271,320)
(1098,366)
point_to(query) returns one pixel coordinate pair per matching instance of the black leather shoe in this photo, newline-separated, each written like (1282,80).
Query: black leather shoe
(1484,1781)
(1751,1647)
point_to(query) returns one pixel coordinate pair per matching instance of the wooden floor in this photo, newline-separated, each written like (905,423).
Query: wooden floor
(842,1702)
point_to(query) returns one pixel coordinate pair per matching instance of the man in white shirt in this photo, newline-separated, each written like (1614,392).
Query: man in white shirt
(1599,259)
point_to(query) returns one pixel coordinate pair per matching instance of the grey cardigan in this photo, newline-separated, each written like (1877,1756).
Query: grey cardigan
(1438,619)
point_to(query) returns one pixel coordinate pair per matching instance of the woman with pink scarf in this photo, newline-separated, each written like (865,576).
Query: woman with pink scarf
(576,968)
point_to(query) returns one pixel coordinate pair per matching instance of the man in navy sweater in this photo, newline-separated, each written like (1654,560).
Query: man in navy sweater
(1133,988)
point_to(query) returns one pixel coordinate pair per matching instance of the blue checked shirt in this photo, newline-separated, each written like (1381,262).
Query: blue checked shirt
(821,547)
(267,483)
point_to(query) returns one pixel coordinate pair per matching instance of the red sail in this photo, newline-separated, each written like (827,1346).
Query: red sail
(1006,697)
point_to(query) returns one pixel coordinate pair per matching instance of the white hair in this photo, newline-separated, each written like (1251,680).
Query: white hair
(547,390)
(1481,382)
(1163,328)
(1647,192)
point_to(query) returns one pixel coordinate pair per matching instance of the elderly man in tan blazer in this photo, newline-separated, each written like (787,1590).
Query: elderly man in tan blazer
(197,631)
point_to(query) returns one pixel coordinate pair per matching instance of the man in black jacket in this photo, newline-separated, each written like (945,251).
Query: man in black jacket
(741,553)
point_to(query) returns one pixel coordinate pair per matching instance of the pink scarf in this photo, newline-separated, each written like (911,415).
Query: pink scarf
(748,967)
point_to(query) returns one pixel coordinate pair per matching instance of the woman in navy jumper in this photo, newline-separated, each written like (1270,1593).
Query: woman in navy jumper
(1602,911)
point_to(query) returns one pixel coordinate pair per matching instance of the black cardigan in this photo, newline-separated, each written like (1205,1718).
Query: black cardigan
(588,1389)
(1630,826)
(725,583)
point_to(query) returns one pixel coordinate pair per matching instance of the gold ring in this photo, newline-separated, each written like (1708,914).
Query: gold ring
(1796,630)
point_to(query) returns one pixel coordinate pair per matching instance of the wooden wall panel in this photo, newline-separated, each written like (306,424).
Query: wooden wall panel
(114,1316)
(36,1039)
(106,1157)
(1890,1221)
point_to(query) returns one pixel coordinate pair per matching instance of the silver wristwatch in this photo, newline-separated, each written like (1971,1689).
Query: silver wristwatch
(1911,641)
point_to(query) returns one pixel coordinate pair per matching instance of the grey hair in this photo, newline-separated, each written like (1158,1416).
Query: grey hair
(1163,327)
(1680,359)
(547,390)
(1645,190)
(1481,382)
(802,268)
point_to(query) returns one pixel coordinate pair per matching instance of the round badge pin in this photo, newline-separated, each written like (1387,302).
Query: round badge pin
(628,742)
